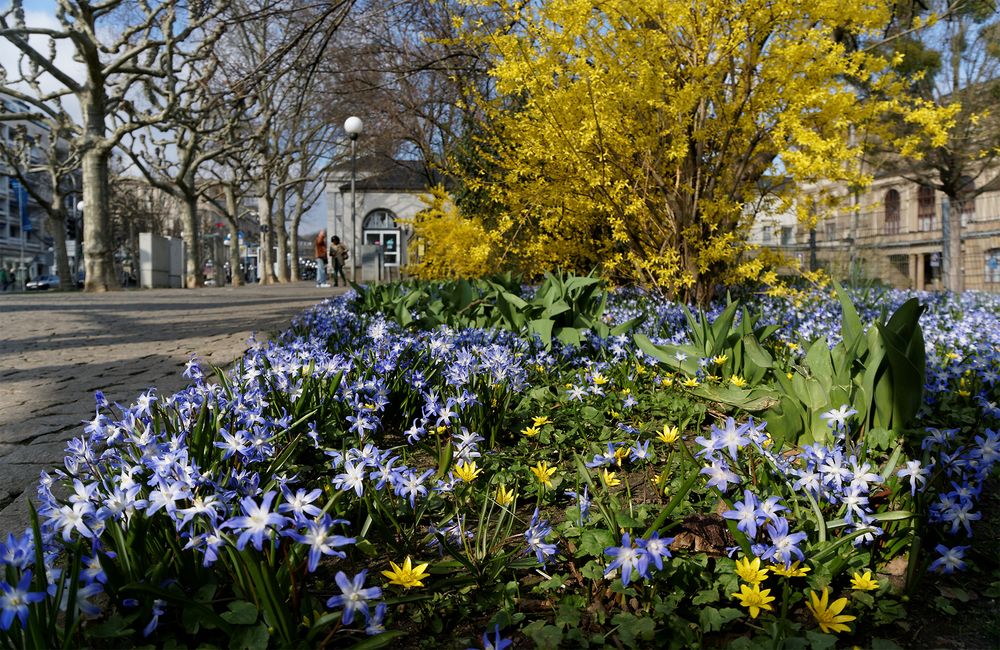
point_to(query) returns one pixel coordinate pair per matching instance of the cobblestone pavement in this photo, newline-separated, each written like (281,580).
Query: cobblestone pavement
(56,349)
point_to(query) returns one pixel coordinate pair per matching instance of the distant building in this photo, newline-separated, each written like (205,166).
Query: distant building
(388,195)
(24,229)
(894,234)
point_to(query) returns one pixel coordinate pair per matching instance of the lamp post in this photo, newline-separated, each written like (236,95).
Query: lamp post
(78,230)
(353,126)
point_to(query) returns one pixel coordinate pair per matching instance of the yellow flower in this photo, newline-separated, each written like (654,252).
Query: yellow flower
(719,360)
(540,421)
(660,483)
(504,496)
(609,479)
(620,454)
(529,432)
(864,582)
(599,379)
(737,381)
(544,473)
(952,356)
(711,378)
(467,471)
(750,571)
(440,430)
(667,381)
(407,575)
(669,435)
(754,599)
(794,347)
(828,615)
(690,382)
(793,570)
(789,375)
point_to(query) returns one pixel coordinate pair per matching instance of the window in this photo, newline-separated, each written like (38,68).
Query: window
(766,234)
(901,263)
(993,265)
(831,231)
(786,235)
(891,212)
(926,208)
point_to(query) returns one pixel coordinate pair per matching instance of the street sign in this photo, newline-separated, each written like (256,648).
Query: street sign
(935,260)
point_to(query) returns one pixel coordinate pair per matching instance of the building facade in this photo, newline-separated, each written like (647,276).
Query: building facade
(25,240)
(387,197)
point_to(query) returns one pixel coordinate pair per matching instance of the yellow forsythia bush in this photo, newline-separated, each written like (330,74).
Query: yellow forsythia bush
(446,244)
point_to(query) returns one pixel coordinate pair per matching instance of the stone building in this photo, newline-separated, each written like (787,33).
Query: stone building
(388,195)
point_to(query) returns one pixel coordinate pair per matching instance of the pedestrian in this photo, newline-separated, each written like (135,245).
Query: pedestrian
(321,259)
(339,255)
(4,278)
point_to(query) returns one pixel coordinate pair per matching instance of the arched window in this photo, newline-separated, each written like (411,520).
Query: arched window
(892,212)
(380,219)
(926,208)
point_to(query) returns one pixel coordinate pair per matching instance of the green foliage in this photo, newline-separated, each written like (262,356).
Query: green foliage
(879,372)
(563,308)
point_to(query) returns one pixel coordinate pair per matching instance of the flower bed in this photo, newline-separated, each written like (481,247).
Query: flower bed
(359,481)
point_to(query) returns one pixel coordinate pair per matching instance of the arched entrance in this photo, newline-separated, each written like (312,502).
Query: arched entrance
(380,228)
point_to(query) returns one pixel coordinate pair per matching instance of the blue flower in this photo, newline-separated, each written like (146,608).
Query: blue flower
(495,643)
(627,558)
(535,537)
(950,560)
(257,522)
(320,541)
(746,514)
(784,545)
(14,601)
(719,475)
(656,548)
(354,596)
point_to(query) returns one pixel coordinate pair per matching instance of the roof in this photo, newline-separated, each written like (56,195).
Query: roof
(398,176)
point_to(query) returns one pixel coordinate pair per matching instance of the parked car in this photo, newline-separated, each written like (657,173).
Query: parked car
(43,282)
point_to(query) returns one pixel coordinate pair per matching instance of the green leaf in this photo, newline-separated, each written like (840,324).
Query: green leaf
(546,637)
(543,328)
(706,596)
(632,628)
(712,619)
(880,438)
(240,613)
(247,637)
(594,541)
(820,641)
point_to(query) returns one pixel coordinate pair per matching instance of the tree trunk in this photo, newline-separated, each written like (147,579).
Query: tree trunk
(294,234)
(57,225)
(192,230)
(234,236)
(98,253)
(281,236)
(952,254)
(265,267)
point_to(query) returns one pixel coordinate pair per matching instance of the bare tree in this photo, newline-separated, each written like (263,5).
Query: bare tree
(955,61)
(125,48)
(273,64)
(46,166)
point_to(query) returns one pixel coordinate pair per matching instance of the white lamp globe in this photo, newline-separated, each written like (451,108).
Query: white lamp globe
(353,126)
(80,206)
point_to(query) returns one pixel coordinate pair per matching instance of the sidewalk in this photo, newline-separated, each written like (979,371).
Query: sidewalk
(56,349)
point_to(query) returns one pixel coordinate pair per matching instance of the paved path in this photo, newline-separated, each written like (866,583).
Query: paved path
(56,349)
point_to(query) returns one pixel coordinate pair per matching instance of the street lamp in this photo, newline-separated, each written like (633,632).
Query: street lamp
(353,126)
